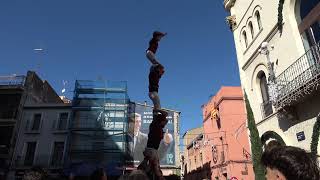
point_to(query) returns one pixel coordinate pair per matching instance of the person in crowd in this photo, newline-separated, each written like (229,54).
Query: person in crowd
(289,163)
(98,174)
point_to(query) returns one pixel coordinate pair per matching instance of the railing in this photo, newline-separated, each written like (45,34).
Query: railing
(44,161)
(106,147)
(266,109)
(12,80)
(104,122)
(8,113)
(300,73)
(109,85)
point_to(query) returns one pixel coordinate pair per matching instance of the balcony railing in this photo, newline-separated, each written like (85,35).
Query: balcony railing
(45,161)
(266,109)
(8,113)
(299,79)
(12,80)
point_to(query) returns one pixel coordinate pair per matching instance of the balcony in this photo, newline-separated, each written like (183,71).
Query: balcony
(44,161)
(8,114)
(266,109)
(300,79)
(12,81)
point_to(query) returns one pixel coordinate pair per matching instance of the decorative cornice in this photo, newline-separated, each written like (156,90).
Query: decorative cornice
(231,21)
(228,4)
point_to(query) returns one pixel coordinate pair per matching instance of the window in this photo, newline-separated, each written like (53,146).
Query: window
(35,123)
(266,105)
(251,30)
(57,156)
(245,38)
(307,13)
(257,14)
(99,145)
(306,7)
(264,88)
(30,153)
(62,121)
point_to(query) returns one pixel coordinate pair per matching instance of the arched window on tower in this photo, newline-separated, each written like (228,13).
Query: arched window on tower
(245,38)
(307,13)
(258,18)
(266,106)
(251,30)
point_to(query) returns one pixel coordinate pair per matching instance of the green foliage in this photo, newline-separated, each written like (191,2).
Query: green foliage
(280,15)
(256,145)
(272,134)
(315,136)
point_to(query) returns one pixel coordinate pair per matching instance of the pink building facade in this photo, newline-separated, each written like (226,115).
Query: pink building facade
(225,144)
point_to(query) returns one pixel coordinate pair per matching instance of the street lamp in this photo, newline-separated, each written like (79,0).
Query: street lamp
(272,86)
(265,49)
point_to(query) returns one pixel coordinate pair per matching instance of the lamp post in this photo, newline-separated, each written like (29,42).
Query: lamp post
(264,49)
(272,86)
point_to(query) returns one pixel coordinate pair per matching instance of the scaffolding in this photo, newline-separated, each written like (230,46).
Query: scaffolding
(99,123)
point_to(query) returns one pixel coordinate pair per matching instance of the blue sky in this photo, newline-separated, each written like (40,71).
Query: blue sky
(107,38)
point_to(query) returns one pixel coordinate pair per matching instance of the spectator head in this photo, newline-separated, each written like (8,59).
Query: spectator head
(98,174)
(272,144)
(137,175)
(35,173)
(289,163)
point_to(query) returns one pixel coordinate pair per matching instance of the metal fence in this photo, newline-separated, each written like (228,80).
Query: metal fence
(299,73)
(12,80)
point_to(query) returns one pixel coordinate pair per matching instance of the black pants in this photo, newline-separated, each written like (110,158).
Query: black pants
(156,131)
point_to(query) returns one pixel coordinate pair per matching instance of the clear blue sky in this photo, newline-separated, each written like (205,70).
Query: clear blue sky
(85,39)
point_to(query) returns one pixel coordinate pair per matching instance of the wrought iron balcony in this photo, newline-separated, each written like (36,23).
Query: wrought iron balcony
(266,109)
(12,80)
(299,79)
(45,161)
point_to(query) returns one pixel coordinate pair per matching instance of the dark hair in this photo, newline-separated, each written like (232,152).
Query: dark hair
(35,173)
(173,177)
(137,175)
(157,33)
(272,144)
(294,163)
(97,174)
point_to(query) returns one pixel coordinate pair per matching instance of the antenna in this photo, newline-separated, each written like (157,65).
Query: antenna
(38,51)
(64,87)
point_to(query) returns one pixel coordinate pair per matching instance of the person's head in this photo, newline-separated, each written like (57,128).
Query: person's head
(98,174)
(35,173)
(173,177)
(289,163)
(158,35)
(137,175)
(272,144)
(134,123)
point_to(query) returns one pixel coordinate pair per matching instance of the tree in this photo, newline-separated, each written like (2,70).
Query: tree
(315,136)
(256,145)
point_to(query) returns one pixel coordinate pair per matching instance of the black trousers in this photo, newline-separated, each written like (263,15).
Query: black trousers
(156,131)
